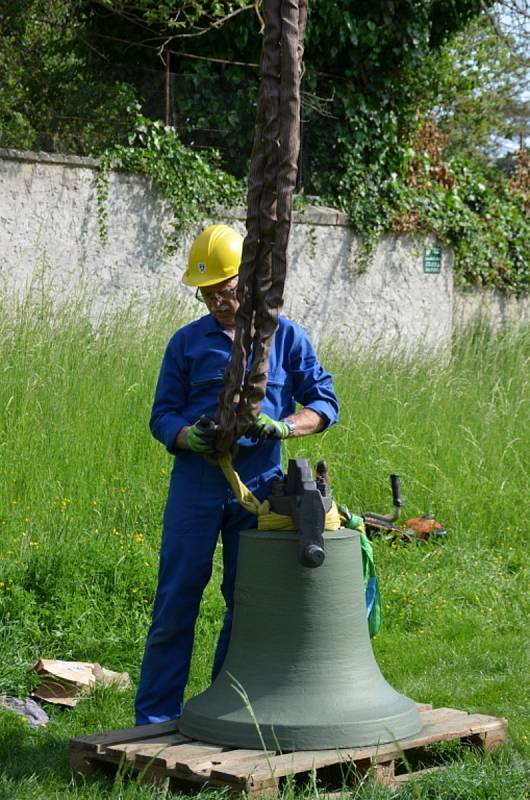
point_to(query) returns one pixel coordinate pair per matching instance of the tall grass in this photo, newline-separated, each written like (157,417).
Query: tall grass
(82,489)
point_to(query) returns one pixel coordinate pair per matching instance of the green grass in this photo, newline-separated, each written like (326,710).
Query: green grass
(82,489)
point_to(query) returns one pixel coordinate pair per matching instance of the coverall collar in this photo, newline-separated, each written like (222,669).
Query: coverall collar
(211,326)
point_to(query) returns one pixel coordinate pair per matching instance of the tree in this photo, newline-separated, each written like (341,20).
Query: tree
(363,69)
(54,94)
(478,98)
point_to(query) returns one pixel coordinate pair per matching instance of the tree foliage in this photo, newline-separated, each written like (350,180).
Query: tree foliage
(55,94)
(402,100)
(477,85)
(363,68)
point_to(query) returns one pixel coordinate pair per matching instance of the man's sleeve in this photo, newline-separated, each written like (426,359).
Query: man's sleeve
(170,396)
(313,385)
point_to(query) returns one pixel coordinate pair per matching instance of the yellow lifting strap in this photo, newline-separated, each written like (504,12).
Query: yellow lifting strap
(267,520)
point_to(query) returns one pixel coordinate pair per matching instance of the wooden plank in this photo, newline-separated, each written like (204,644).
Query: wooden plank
(236,769)
(406,777)
(454,727)
(261,792)
(289,763)
(203,767)
(80,763)
(437,715)
(172,757)
(239,770)
(306,760)
(455,716)
(149,747)
(491,739)
(383,773)
(98,741)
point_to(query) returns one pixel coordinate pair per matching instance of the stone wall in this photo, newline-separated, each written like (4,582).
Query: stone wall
(49,232)
(493,306)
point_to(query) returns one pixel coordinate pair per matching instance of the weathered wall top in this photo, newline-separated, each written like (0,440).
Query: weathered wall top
(313,215)
(40,157)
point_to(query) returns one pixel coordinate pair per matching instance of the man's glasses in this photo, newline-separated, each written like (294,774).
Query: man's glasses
(224,294)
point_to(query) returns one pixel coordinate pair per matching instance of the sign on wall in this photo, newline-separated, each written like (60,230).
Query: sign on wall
(432,260)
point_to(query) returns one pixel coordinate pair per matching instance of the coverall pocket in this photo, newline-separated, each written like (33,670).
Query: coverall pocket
(204,391)
(279,395)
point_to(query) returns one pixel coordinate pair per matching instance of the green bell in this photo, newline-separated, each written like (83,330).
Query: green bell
(300,665)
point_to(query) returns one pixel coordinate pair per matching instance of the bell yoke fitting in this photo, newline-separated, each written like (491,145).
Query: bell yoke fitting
(296,495)
(307,501)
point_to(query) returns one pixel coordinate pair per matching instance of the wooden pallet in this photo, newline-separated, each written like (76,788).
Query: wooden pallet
(160,752)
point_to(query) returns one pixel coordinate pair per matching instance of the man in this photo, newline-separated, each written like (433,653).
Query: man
(200,503)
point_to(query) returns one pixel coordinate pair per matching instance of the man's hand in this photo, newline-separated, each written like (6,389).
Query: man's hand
(201,437)
(267,428)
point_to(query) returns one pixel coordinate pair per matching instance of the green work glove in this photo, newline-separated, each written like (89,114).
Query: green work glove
(201,437)
(267,428)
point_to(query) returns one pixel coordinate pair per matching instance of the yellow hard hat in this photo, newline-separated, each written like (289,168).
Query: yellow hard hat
(215,256)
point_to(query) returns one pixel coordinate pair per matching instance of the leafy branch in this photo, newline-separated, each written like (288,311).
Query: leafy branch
(161,23)
(192,183)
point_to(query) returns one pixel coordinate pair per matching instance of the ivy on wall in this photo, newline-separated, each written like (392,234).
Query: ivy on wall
(486,222)
(488,227)
(191,182)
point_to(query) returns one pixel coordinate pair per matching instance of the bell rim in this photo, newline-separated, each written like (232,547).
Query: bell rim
(344,733)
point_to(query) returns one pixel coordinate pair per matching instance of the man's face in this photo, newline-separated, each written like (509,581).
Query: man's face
(221,301)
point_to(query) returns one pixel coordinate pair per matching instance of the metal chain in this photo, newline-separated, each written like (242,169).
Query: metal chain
(271,184)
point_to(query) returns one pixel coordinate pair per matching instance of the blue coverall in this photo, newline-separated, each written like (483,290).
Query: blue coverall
(200,503)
